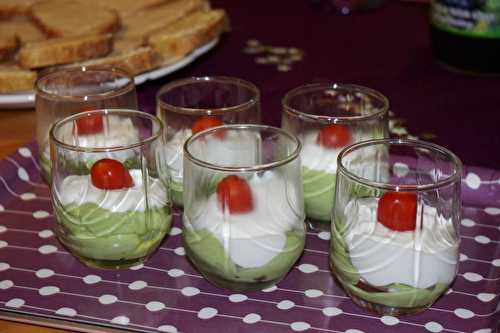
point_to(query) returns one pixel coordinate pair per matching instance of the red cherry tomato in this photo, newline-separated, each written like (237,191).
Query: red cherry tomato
(334,136)
(234,194)
(108,174)
(398,210)
(208,122)
(90,124)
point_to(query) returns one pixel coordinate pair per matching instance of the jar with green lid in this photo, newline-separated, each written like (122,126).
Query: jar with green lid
(466,34)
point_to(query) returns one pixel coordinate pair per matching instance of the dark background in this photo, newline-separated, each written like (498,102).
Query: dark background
(387,49)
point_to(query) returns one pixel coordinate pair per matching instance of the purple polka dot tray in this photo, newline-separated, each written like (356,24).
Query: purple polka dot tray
(41,281)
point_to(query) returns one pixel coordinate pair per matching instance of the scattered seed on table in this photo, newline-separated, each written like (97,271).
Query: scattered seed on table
(284,68)
(262,60)
(273,59)
(296,57)
(253,42)
(278,50)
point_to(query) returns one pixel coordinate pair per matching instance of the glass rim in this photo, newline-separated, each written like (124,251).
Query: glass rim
(212,111)
(456,176)
(335,119)
(130,112)
(129,86)
(290,157)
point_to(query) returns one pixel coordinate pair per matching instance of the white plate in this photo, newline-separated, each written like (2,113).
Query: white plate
(27,99)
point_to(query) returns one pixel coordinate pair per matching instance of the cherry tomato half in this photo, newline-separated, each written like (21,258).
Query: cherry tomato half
(90,124)
(334,136)
(233,193)
(208,122)
(398,210)
(108,174)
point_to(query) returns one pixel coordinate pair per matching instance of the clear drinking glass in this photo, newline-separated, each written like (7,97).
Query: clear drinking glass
(61,93)
(243,207)
(326,118)
(110,186)
(190,105)
(394,244)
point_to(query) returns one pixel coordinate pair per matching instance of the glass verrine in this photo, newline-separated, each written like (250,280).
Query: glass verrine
(243,207)
(327,118)
(394,244)
(190,105)
(63,92)
(109,186)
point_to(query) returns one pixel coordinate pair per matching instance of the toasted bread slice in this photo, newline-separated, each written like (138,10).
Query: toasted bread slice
(62,18)
(8,8)
(121,45)
(126,7)
(8,44)
(13,78)
(143,23)
(134,62)
(188,33)
(23,29)
(64,50)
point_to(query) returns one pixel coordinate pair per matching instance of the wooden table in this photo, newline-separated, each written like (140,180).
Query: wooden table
(16,129)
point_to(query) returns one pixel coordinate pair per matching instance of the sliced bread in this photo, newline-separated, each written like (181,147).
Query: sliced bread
(144,22)
(121,45)
(14,78)
(15,7)
(126,7)
(23,29)
(64,50)
(61,18)
(8,45)
(134,62)
(188,33)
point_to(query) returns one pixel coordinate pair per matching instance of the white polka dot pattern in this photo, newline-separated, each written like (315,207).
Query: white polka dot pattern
(167,329)
(176,298)
(138,285)
(48,290)
(434,327)
(15,303)
(155,306)
(68,312)
(237,298)
(120,320)
(251,318)
(92,279)
(285,305)
(207,313)
(300,326)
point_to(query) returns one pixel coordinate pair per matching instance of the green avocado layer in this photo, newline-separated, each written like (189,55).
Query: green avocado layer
(99,234)
(45,167)
(319,192)
(398,295)
(176,193)
(212,260)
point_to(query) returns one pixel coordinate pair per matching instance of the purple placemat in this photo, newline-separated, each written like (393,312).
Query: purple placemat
(39,277)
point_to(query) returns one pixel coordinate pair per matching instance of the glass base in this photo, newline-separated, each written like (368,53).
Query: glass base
(110,264)
(378,308)
(384,309)
(236,285)
(318,225)
(222,282)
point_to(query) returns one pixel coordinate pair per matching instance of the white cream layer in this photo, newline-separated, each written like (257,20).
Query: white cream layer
(78,190)
(316,157)
(416,258)
(253,239)
(234,149)
(117,131)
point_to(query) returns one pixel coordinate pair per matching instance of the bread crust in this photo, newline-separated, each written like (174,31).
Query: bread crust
(57,19)
(64,50)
